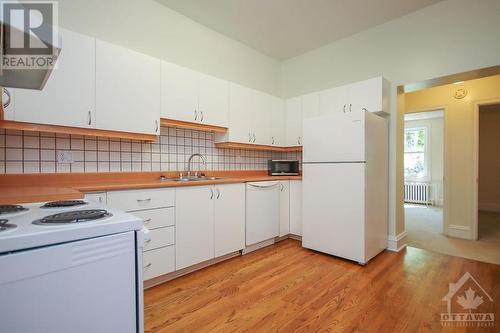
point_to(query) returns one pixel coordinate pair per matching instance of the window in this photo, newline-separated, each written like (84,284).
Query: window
(415,153)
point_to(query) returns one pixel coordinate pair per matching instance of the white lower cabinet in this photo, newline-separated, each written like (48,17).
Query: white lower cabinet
(229,219)
(194,217)
(296,207)
(158,262)
(284,208)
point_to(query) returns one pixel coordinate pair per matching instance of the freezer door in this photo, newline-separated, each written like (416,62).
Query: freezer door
(338,137)
(334,210)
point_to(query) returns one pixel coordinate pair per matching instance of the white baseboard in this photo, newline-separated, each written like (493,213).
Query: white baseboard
(459,231)
(396,243)
(489,207)
(255,247)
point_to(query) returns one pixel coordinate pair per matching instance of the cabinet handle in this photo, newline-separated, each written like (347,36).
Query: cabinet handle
(364,110)
(195,115)
(299,140)
(147,241)
(282,187)
(147,221)
(350,107)
(201,116)
(272,140)
(7,93)
(147,266)
(89,118)
(218,193)
(249,137)
(157,126)
(211,194)
(344,108)
(144,200)
(254,138)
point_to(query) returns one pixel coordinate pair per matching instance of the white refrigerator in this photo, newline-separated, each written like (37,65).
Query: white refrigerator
(345,185)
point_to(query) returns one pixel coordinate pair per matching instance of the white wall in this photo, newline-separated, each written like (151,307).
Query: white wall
(449,37)
(435,127)
(148,27)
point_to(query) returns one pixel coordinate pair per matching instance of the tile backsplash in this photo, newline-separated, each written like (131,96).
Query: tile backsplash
(36,152)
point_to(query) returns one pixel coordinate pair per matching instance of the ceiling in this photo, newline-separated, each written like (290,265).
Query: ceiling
(286,28)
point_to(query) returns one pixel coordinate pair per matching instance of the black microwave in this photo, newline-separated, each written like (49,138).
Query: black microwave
(283,167)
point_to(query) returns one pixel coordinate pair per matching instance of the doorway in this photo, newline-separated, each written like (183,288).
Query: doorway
(423,176)
(487,224)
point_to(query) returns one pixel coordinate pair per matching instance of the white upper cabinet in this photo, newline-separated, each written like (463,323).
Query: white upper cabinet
(371,95)
(194,97)
(127,90)
(278,137)
(333,100)
(261,118)
(213,101)
(68,97)
(310,105)
(294,121)
(179,93)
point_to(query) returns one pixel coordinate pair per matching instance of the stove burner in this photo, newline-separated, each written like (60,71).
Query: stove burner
(5,225)
(9,209)
(63,204)
(77,216)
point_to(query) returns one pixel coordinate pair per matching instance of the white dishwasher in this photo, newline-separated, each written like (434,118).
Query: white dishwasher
(262,211)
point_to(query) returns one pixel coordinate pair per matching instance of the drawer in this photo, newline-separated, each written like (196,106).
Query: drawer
(141,199)
(158,262)
(160,237)
(96,198)
(157,218)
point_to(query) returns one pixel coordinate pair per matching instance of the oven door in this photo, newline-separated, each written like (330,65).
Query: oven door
(79,287)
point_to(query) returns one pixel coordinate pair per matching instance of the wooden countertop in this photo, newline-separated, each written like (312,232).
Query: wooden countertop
(17,189)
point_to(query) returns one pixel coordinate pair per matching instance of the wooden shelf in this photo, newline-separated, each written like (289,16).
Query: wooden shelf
(192,126)
(14,125)
(249,146)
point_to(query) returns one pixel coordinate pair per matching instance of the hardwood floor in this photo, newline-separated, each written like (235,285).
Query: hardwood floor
(285,288)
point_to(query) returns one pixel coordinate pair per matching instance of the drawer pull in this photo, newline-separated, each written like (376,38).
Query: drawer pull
(147,221)
(147,241)
(147,266)
(144,200)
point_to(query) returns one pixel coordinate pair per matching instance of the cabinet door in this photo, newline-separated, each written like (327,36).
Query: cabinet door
(367,95)
(333,100)
(229,219)
(261,118)
(294,121)
(68,98)
(284,208)
(240,114)
(213,101)
(127,90)
(296,207)
(179,93)
(8,100)
(310,105)
(277,121)
(194,225)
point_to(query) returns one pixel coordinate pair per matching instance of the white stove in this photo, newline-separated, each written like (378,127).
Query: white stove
(70,266)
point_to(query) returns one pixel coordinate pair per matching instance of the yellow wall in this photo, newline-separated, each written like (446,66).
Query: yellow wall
(489,158)
(459,142)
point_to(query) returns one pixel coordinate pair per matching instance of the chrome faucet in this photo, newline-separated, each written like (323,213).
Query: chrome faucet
(203,159)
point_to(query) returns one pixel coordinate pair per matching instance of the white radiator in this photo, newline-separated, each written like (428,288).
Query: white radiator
(418,193)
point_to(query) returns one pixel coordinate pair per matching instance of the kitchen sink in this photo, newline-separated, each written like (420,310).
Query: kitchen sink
(195,178)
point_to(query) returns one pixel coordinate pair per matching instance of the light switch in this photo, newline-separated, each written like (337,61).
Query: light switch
(65,157)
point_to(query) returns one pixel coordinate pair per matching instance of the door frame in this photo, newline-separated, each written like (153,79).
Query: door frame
(475,181)
(446,186)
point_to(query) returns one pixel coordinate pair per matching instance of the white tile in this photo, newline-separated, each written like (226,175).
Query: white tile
(90,166)
(103,167)
(146,167)
(146,157)
(2,154)
(13,154)
(126,146)
(126,157)
(78,167)
(31,154)
(114,166)
(13,167)
(77,144)
(31,167)
(2,140)
(155,148)
(155,167)
(90,145)
(103,156)
(63,168)
(14,141)
(155,158)
(62,143)
(31,142)
(114,145)
(114,156)
(78,156)
(48,155)
(47,143)
(136,147)
(136,157)
(90,156)
(47,167)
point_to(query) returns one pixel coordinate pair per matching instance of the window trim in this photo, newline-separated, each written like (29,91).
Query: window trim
(426,152)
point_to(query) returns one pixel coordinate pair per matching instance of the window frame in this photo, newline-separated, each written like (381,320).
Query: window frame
(426,152)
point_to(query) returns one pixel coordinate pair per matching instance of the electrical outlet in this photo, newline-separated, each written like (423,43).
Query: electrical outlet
(65,157)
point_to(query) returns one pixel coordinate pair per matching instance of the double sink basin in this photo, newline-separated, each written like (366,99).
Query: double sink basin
(190,178)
